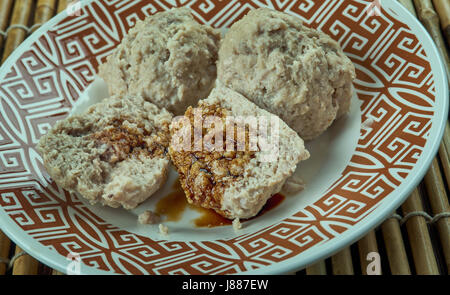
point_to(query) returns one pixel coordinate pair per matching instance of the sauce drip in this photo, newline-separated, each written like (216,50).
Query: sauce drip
(210,218)
(174,204)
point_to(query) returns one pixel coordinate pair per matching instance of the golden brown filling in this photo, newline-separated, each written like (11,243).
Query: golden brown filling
(205,174)
(126,141)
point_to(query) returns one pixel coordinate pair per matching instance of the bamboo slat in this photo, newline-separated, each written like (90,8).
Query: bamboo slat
(25,264)
(342,263)
(409,5)
(317,269)
(5,245)
(444,150)
(395,247)
(438,200)
(56,273)
(45,9)
(367,245)
(62,4)
(444,153)
(428,16)
(419,237)
(5,10)
(443,10)
(21,15)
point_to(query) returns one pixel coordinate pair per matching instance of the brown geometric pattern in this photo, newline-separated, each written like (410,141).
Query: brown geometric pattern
(394,83)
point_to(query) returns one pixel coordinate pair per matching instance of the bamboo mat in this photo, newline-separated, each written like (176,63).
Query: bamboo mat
(415,240)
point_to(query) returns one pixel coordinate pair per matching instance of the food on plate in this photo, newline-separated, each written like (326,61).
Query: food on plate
(168,58)
(293,185)
(286,68)
(231,172)
(278,83)
(163,229)
(149,217)
(115,153)
(237,225)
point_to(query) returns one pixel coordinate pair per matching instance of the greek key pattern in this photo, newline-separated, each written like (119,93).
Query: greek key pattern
(394,83)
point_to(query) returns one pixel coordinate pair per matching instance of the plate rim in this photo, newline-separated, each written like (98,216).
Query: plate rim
(318,252)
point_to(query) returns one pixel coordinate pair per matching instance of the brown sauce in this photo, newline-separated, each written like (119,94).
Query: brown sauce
(210,218)
(174,204)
